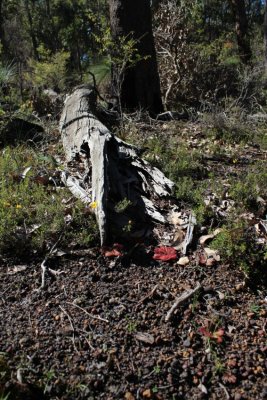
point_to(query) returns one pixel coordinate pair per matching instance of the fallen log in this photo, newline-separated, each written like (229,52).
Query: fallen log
(123,188)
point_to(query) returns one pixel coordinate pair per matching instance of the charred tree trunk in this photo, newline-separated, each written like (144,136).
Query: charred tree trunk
(2,31)
(241,28)
(140,87)
(32,33)
(265,36)
(1,21)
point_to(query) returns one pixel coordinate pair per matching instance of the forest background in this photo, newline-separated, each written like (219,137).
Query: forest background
(210,139)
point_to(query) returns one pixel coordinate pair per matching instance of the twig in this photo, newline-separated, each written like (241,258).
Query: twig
(72,327)
(87,313)
(181,299)
(85,338)
(147,296)
(44,266)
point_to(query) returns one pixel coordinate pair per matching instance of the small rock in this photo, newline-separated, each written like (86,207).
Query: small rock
(187,343)
(183,261)
(145,337)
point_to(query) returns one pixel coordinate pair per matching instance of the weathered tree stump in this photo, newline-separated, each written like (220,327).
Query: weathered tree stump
(123,188)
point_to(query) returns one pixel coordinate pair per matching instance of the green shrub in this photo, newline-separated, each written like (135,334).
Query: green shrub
(249,186)
(237,245)
(50,72)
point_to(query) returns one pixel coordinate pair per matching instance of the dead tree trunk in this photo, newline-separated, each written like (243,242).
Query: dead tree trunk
(123,188)
(265,36)
(140,86)
(241,28)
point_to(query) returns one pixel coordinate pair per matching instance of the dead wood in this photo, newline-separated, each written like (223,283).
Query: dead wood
(123,187)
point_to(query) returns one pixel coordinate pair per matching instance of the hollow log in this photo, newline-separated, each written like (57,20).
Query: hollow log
(123,188)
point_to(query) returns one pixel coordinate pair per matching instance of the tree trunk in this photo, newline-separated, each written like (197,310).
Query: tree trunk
(265,36)
(241,27)
(31,29)
(140,86)
(1,21)
(2,31)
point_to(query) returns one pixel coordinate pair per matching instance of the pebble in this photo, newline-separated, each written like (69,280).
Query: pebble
(187,343)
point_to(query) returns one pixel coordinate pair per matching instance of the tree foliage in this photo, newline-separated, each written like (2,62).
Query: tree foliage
(199,47)
(202,47)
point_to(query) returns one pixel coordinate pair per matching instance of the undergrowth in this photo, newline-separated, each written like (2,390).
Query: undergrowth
(34,208)
(238,246)
(245,185)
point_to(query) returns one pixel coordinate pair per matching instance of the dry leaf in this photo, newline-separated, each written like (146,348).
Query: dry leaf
(203,239)
(178,237)
(175,219)
(129,396)
(115,251)
(16,269)
(203,388)
(147,394)
(212,253)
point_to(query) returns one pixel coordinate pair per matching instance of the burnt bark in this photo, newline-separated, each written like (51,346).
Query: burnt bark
(241,28)
(140,87)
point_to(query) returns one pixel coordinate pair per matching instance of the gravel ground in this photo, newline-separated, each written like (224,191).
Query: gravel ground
(98,331)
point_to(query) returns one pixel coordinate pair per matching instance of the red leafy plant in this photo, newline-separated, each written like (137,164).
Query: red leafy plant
(165,253)
(215,335)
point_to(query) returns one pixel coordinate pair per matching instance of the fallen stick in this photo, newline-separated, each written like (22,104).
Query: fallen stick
(44,267)
(72,327)
(87,313)
(181,299)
